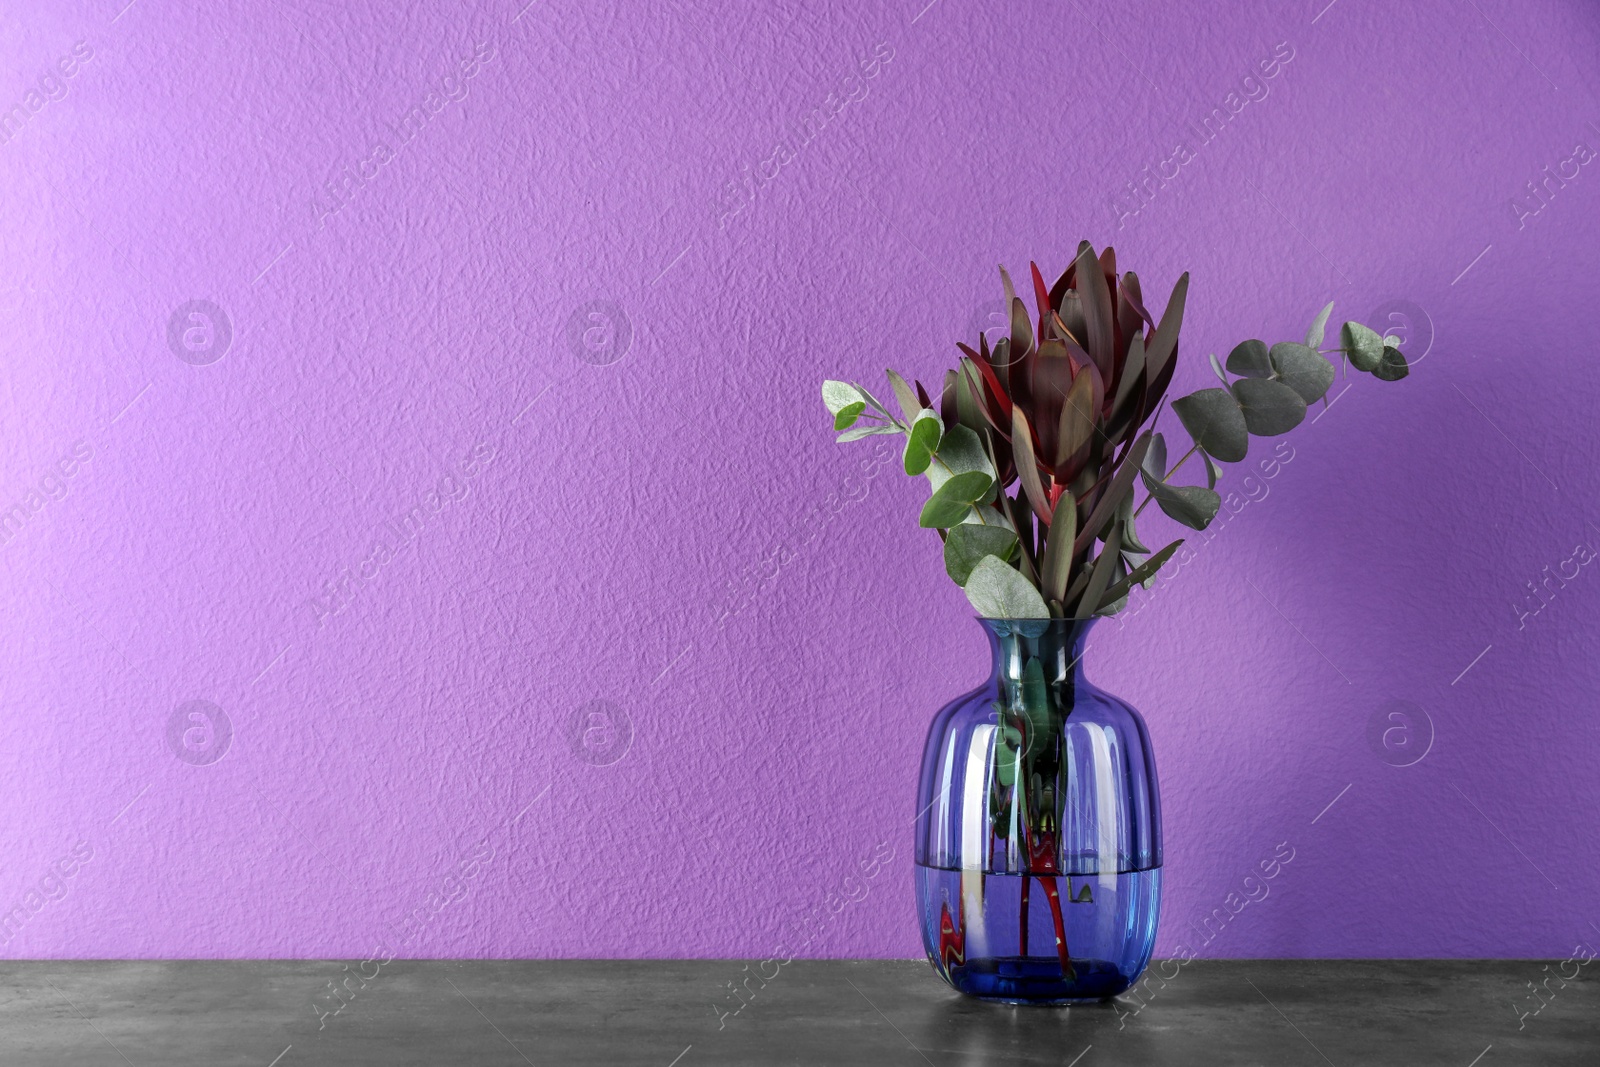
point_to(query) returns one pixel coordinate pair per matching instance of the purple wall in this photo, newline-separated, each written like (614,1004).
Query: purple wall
(503,524)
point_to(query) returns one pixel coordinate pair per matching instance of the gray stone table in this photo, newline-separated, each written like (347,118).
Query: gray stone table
(666,1013)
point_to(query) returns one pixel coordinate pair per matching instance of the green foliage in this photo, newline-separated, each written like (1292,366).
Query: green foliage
(1362,345)
(1249,359)
(1314,334)
(922,442)
(1194,506)
(999,591)
(1392,367)
(1270,407)
(1215,422)
(1302,369)
(968,543)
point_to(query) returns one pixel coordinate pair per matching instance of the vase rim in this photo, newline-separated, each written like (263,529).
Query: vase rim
(1025,622)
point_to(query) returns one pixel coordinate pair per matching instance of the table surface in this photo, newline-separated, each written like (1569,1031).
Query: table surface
(681,1013)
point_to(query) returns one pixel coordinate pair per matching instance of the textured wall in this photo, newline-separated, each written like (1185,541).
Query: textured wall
(487,493)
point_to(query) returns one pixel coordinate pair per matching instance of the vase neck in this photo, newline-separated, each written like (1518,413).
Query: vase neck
(1057,644)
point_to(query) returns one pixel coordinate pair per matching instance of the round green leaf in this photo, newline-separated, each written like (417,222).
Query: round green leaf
(846,416)
(942,512)
(922,441)
(840,395)
(960,451)
(1249,360)
(1393,366)
(968,543)
(1302,369)
(1155,460)
(1214,420)
(915,458)
(1364,347)
(1270,408)
(999,591)
(1193,505)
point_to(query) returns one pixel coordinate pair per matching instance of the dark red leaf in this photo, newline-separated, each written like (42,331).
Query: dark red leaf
(1097,312)
(1000,397)
(1041,297)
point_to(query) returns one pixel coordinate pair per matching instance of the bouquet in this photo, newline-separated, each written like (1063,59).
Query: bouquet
(1064,409)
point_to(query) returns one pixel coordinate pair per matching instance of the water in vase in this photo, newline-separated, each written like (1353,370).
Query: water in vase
(1026,938)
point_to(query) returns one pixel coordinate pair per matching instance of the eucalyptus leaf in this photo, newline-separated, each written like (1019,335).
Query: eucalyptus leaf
(941,512)
(1216,368)
(922,442)
(987,514)
(1364,347)
(840,395)
(955,494)
(1214,420)
(999,591)
(1212,473)
(961,451)
(1270,408)
(846,416)
(1302,369)
(904,395)
(1130,538)
(968,543)
(1315,334)
(874,402)
(960,475)
(1155,459)
(1249,359)
(1393,367)
(1192,505)
(914,457)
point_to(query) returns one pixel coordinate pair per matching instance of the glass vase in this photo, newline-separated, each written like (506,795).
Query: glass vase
(1038,846)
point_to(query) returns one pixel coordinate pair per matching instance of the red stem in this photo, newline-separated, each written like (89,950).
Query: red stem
(1022,920)
(1067,970)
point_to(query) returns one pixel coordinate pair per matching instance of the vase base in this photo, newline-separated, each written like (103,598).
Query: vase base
(1037,981)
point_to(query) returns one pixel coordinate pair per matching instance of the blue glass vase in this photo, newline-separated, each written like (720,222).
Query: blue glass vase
(1038,847)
